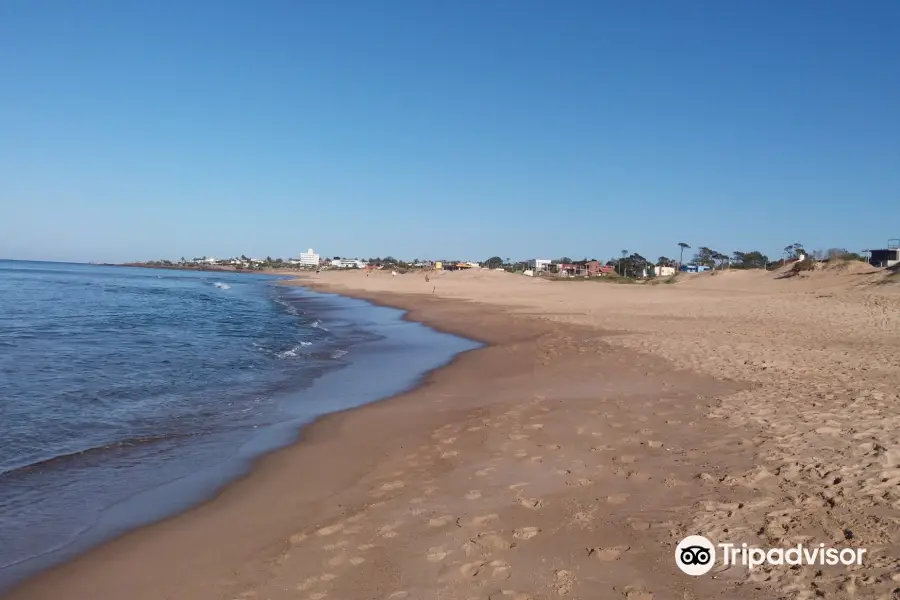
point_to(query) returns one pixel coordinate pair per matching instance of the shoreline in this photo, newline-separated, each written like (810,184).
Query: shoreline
(306,407)
(256,520)
(305,433)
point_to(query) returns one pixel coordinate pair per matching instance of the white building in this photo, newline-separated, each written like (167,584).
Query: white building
(347,263)
(309,258)
(662,271)
(539,264)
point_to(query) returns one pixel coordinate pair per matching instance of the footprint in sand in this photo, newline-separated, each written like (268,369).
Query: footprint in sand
(311,581)
(608,554)
(495,569)
(483,520)
(334,546)
(473,495)
(297,538)
(509,595)
(491,542)
(532,503)
(638,476)
(330,530)
(440,521)
(449,454)
(563,581)
(484,472)
(579,482)
(437,554)
(654,444)
(636,593)
(337,561)
(616,498)
(526,533)
(388,531)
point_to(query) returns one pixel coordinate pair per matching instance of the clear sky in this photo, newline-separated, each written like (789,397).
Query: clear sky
(457,129)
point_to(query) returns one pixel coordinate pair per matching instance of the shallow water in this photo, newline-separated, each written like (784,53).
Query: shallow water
(129,394)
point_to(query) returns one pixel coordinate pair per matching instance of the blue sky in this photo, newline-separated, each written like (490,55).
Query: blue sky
(464,129)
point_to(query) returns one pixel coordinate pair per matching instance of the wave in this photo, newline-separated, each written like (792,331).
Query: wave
(317,325)
(222,286)
(60,459)
(293,352)
(338,353)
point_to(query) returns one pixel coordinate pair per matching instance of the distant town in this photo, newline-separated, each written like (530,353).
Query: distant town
(628,264)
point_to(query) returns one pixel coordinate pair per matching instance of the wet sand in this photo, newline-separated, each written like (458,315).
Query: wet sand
(566,459)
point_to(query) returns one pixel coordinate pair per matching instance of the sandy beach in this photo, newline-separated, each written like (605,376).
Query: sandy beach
(600,425)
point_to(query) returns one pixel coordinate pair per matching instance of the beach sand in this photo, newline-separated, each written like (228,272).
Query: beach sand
(601,424)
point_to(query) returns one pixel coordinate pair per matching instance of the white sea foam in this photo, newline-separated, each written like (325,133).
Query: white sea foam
(338,353)
(318,325)
(222,286)
(293,352)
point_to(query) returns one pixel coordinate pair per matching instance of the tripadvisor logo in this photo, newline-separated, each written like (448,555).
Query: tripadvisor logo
(696,555)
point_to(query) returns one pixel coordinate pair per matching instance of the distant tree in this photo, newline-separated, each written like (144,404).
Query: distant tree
(844,254)
(794,250)
(564,259)
(682,246)
(494,262)
(749,260)
(665,261)
(719,259)
(622,267)
(703,257)
(337,258)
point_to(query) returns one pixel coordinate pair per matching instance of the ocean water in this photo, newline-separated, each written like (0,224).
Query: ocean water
(129,394)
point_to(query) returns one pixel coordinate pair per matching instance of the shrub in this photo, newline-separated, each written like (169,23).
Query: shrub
(807,264)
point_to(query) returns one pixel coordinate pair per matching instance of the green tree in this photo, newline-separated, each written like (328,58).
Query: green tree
(494,262)
(682,247)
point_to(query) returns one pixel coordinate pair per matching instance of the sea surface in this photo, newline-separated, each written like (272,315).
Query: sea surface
(129,394)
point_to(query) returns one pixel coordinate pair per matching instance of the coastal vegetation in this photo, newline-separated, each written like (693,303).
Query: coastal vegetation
(628,265)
